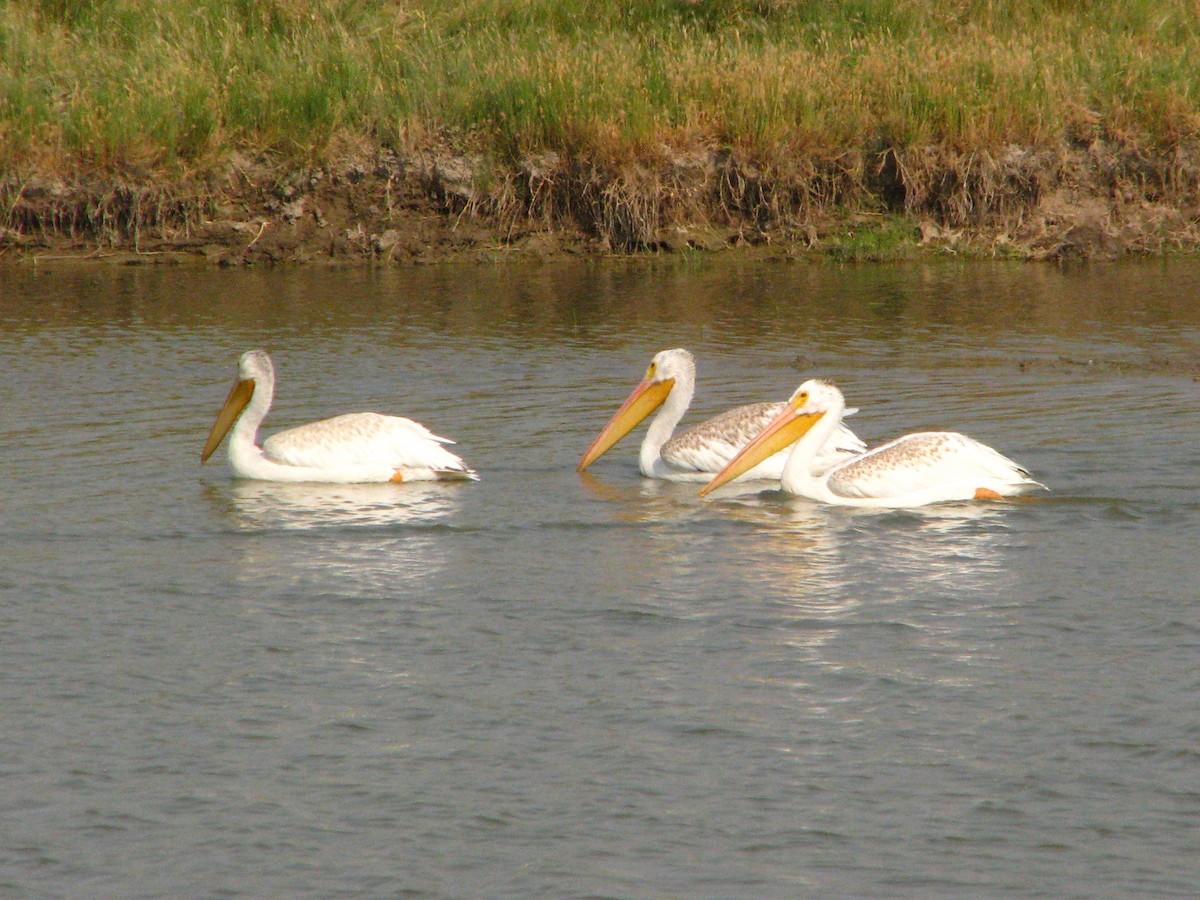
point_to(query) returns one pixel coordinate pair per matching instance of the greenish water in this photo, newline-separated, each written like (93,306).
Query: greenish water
(548,684)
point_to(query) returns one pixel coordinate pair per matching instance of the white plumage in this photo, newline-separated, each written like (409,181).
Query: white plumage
(351,448)
(914,470)
(702,450)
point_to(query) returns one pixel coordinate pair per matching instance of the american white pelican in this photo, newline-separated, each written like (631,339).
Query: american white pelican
(925,467)
(348,449)
(702,450)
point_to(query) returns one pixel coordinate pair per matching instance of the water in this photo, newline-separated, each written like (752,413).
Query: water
(548,684)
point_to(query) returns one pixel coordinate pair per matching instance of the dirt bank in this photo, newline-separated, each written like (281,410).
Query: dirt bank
(1095,201)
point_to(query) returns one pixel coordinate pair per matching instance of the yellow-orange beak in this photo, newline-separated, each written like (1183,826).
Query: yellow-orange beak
(238,397)
(785,429)
(645,399)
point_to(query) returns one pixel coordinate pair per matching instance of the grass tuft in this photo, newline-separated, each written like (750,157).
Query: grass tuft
(883,240)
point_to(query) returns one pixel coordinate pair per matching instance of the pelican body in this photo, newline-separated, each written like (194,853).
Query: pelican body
(347,449)
(914,470)
(702,450)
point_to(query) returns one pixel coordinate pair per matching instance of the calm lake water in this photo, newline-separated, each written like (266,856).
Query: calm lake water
(554,685)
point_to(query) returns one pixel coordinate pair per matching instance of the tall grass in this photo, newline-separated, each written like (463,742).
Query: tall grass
(144,84)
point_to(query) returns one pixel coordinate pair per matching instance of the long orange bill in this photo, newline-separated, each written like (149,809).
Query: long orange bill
(238,397)
(645,399)
(785,429)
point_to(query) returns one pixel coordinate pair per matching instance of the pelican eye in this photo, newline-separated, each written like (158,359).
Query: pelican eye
(801,398)
(650,371)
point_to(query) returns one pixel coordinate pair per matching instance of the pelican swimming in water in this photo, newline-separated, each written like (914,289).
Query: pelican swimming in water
(348,449)
(914,470)
(702,450)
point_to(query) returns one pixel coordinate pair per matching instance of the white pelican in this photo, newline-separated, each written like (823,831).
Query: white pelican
(925,467)
(704,449)
(348,449)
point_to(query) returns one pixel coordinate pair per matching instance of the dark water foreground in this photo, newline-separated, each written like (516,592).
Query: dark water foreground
(552,685)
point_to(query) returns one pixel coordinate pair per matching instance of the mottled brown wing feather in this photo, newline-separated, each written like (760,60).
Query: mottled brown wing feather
(707,447)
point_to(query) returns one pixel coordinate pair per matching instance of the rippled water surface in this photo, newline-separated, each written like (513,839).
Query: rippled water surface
(549,684)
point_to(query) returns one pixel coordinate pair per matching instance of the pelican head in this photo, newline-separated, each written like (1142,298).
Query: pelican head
(255,370)
(672,365)
(812,400)
(668,368)
(256,365)
(817,395)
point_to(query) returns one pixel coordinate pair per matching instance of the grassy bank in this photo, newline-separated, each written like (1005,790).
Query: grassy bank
(623,119)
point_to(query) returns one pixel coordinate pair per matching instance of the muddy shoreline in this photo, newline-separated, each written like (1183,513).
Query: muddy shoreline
(378,206)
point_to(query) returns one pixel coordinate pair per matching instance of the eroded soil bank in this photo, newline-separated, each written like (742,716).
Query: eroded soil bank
(1095,201)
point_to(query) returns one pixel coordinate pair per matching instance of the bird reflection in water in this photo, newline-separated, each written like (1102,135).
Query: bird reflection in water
(334,572)
(645,500)
(257,505)
(824,582)
(372,537)
(857,554)
(876,593)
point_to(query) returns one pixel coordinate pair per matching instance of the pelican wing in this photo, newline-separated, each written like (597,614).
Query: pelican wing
(361,439)
(845,443)
(709,446)
(922,462)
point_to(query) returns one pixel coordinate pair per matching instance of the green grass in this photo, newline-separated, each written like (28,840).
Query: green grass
(145,85)
(129,82)
(888,240)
